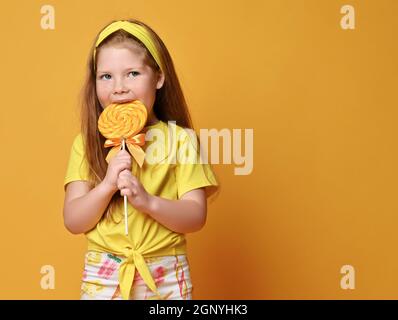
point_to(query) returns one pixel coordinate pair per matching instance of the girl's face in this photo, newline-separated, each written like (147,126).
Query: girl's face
(123,76)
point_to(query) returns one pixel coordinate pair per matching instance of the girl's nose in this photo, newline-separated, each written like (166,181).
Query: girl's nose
(120,87)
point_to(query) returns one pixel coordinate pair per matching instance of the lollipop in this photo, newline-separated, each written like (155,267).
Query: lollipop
(121,124)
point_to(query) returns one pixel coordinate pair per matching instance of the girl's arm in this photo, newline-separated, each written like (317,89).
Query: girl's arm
(185,215)
(83,208)
(188,214)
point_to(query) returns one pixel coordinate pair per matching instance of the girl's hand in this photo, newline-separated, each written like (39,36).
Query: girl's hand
(121,161)
(134,190)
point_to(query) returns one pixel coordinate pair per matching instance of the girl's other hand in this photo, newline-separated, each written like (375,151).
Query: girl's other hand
(121,161)
(136,194)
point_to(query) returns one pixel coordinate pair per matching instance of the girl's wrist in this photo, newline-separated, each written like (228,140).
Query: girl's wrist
(152,204)
(106,187)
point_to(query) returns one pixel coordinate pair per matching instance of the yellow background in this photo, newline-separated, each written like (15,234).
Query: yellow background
(321,100)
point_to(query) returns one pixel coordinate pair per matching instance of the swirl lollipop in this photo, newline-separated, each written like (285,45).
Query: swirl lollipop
(121,124)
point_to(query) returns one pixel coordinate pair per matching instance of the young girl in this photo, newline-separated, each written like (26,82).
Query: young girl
(166,199)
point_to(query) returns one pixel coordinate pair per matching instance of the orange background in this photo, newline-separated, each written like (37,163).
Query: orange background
(321,100)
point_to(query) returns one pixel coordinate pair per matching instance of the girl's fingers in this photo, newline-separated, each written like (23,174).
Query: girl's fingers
(133,180)
(123,173)
(123,183)
(125,192)
(127,180)
(128,192)
(127,183)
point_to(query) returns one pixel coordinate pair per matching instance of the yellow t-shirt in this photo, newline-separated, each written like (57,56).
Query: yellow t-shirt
(168,179)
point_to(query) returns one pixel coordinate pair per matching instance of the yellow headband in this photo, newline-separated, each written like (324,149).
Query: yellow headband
(136,30)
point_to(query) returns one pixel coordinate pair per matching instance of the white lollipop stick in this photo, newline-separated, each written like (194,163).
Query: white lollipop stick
(125,202)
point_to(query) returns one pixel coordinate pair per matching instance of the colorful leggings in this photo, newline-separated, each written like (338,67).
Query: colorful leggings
(101,278)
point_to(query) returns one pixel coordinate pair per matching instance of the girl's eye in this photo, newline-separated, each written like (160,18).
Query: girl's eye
(134,73)
(105,75)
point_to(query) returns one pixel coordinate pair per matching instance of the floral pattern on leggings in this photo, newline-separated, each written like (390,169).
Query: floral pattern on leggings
(170,273)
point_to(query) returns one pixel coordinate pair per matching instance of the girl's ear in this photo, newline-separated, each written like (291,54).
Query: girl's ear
(160,82)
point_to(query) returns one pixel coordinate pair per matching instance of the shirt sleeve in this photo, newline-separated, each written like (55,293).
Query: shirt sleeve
(192,174)
(77,168)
